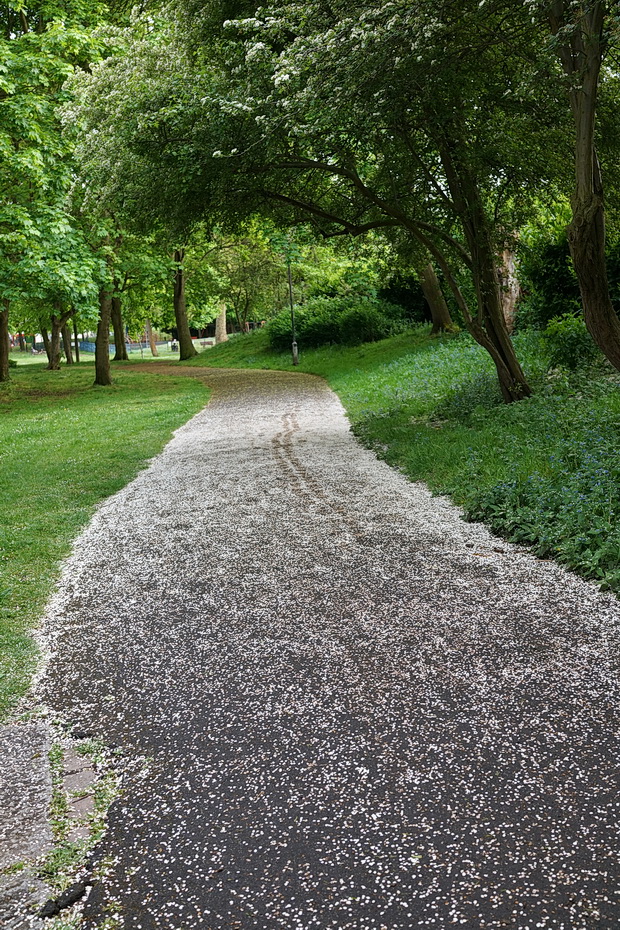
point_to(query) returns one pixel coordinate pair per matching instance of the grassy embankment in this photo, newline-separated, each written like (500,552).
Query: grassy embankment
(545,471)
(64,446)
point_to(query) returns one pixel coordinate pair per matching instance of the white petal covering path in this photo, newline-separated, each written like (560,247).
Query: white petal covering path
(360,711)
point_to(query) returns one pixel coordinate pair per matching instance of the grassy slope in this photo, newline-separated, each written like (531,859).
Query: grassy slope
(64,446)
(545,472)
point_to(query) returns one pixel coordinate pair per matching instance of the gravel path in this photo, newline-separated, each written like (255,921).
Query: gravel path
(358,711)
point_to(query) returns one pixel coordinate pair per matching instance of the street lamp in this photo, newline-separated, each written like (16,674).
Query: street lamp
(290,295)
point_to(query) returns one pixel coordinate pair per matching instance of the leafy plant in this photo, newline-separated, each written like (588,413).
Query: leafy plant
(337,321)
(569,343)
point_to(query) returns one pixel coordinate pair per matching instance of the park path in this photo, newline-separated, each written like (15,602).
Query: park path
(357,711)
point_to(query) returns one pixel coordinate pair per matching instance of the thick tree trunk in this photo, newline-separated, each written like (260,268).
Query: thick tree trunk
(4,340)
(77,341)
(102,342)
(494,336)
(509,287)
(22,342)
(581,50)
(186,346)
(488,327)
(220,327)
(59,322)
(433,294)
(586,238)
(151,338)
(120,354)
(54,342)
(66,342)
(46,342)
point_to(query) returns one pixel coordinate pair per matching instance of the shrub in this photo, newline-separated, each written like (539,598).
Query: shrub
(337,320)
(363,323)
(571,514)
(548,279)
(569,343)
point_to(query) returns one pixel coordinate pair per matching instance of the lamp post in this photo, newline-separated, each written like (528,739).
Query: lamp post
(290,296)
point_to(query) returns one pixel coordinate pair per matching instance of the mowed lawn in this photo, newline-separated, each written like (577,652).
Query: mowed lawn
(65,445)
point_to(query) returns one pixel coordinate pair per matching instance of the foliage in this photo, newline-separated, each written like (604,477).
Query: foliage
(547,278)
(546,273)
(569,343)
(569,508)
(285,115)
(405,290)
(337,320)
(42,253)
(64,446)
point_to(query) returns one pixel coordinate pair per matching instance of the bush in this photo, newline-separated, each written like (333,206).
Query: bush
(571,514)
(337,320)
(569,344)
(406,291)
(12,363)
(363,323)
(548,278)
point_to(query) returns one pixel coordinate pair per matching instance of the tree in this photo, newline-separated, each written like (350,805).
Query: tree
(353,118)
(582,32)
(442,321)
(38,52)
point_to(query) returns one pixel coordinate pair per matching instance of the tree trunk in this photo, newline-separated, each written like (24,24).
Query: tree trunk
(220,326)
(77,342)
(586,239)
(581,50)
(431,289)
(54,356)
(509,287)
(54,342)
(151,338)
(59,322)
(22,342)
(120,354)
(186,346)
(66,341)
(46,342)
(102,341)
(496,340)
(488,328)
(4,339)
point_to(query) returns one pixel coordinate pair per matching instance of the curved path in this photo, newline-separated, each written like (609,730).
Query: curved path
(358,711)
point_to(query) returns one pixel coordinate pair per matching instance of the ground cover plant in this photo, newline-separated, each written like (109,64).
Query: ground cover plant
(64,446)
(544,472)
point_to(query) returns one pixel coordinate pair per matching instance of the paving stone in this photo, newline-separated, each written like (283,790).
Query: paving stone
(25,792)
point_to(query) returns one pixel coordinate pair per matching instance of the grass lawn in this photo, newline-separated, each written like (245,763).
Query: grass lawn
(64,446)
(544,472)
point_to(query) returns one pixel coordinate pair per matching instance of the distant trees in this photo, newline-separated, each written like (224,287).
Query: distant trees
(350,118)
(444,127)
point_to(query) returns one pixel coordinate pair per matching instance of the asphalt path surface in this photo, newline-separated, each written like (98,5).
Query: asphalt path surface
(346,708)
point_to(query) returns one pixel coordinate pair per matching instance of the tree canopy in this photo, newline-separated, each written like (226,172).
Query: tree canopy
(442,128)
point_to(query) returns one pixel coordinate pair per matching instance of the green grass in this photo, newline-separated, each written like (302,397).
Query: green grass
(64,446)
(544,472)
